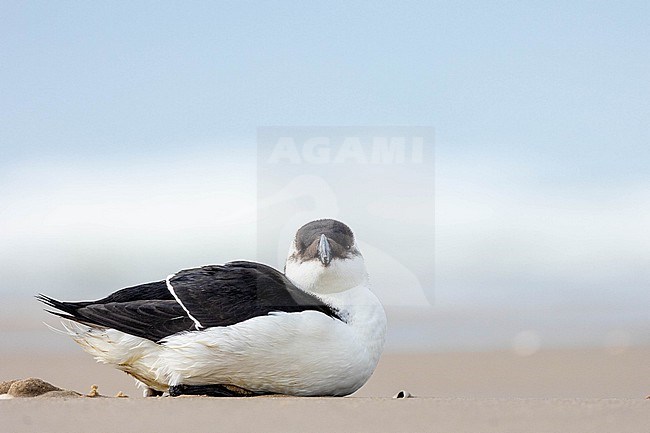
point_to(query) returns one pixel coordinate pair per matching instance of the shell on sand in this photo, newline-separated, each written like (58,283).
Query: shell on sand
(34,387)
(31,387)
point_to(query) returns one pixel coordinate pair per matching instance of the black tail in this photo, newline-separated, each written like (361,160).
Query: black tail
(68,310)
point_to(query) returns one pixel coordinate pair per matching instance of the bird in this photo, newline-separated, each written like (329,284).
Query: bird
(243,328)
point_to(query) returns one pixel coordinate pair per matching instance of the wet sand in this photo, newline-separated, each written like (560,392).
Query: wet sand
(589,390)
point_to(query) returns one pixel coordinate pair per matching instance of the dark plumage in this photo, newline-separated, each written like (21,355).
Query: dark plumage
(339,237)
(217,295)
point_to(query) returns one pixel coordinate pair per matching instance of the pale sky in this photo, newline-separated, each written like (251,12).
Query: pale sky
(128,136)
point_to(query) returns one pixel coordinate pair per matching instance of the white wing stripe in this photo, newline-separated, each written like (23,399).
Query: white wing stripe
(197,324)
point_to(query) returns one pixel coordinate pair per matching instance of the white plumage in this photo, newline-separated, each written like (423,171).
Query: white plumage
(304,353)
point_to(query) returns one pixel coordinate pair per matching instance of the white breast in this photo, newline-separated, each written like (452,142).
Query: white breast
(305,353)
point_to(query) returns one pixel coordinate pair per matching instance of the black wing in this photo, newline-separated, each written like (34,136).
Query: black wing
(237,291)
(213,296)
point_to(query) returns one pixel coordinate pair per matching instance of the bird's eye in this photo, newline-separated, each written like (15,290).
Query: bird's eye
(347,247)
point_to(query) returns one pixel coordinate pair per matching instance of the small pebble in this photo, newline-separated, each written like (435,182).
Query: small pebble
(94,391)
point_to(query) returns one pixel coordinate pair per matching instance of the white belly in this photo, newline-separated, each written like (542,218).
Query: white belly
(305,353)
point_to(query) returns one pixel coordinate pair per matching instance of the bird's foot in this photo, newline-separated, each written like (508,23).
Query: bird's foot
(212,391)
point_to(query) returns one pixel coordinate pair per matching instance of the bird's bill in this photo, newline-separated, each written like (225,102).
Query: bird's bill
(324,250)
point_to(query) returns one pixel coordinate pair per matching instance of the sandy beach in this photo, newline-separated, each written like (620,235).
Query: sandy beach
(590,390)
(326,415)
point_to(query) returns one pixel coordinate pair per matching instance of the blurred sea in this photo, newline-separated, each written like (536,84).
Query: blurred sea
(522,330)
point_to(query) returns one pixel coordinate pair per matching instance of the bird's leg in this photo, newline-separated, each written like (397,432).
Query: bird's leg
(212,391)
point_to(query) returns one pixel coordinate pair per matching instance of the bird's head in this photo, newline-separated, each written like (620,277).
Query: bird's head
(324,258)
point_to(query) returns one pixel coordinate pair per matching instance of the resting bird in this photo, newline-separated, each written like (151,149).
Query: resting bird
(244,328)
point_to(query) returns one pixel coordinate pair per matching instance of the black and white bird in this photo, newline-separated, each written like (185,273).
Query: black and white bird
(244,328)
